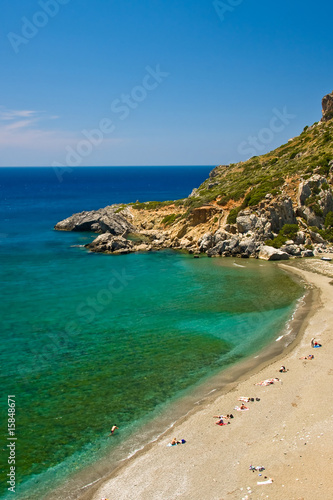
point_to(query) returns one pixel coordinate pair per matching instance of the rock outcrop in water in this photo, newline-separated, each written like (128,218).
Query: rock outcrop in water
(105,220)
(276,206)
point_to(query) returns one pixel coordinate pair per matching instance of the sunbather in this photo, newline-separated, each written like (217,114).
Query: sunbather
(269,381)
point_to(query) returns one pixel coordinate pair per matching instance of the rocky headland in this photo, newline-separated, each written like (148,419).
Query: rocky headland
(273,207)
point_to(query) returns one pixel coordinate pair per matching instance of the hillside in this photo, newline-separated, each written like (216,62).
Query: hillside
(272,206)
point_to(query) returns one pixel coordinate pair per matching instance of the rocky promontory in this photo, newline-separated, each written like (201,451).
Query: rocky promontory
(272,207)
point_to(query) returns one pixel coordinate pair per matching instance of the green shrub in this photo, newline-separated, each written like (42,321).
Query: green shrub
(120,209)
(317,210)
(150,205)
(329,219)
(315,189)
(326,137)
(288,232)
(327,234)
(231,219)
(223,200)
(170,219)
(276,242)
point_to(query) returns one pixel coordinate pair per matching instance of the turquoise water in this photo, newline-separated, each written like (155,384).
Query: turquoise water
(88,340)
(110,341)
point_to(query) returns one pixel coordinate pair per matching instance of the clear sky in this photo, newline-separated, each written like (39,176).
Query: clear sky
(159,82)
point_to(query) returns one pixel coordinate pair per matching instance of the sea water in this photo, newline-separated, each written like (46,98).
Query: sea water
(90,340)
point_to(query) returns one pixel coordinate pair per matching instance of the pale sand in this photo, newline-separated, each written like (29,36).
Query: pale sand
(289,431)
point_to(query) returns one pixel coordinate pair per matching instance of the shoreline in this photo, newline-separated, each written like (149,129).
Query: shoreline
(183,427)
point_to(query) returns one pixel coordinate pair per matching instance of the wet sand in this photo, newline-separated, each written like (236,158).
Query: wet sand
(289,431)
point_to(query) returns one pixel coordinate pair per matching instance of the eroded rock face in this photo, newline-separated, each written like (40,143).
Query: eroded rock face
(316,188)
(103,220)
(327,105)
(203,214)
(280,213)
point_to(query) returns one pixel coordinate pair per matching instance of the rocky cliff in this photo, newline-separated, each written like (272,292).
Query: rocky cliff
(327,105)
(275,206)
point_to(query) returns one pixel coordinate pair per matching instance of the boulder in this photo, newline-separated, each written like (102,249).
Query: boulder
(108,243)
(311,218)
(247,247)
(304,191)
(143,247)
(300,238)
(307,253)
(270,253)
(316,237)
(291,249)
(206,242)
(220,235)
(246,223)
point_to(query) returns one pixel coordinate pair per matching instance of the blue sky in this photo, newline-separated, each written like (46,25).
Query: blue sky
(122,82)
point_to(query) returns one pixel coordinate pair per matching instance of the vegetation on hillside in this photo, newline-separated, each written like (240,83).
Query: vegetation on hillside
(248,182)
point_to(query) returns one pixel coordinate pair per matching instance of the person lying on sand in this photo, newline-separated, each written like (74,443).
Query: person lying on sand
(269,381)
(175,441)
(226,417)
(314,343)
(310,356)
(283,369)
(242,407)
(221,418)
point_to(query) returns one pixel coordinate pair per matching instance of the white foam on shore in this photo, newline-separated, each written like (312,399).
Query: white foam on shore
(89,484)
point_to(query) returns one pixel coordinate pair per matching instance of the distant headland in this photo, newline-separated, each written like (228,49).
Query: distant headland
(273,207)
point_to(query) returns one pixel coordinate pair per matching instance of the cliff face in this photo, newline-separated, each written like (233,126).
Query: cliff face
(327,105)
(272,207)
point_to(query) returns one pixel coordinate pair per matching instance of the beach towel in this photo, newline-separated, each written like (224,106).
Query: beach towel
(269,481)
(240,409)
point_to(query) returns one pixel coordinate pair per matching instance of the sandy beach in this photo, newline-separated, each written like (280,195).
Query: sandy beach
(289,431)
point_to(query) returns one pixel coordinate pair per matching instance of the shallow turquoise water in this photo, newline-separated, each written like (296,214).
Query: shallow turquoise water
(90,340)
(111,338)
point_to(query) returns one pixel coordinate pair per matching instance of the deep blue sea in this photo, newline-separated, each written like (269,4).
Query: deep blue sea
(90,340)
